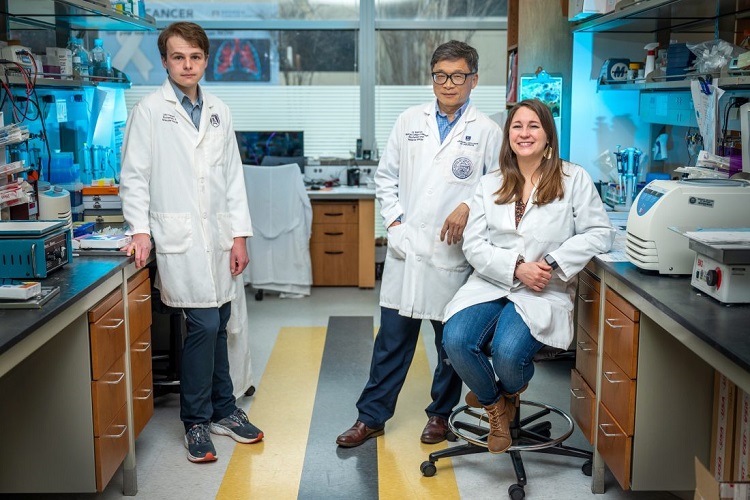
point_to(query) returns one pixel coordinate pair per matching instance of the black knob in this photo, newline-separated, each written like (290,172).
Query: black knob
(712,277)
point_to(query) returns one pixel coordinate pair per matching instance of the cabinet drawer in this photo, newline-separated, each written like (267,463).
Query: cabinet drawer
(587,303)
(339,213)
(110,449)
(334,233)
(143,403)
(621,339)
(586,356)
(615,447)
(334,265)
(582,405)
(623,305)
(618,394)
(139,306)
(140,356)
(108,395)
(107,338)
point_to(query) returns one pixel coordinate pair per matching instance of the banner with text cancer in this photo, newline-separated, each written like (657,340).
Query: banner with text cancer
(234,56)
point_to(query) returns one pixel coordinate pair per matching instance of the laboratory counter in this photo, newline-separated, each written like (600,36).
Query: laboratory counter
(75,280)
(722,327)
(342,193)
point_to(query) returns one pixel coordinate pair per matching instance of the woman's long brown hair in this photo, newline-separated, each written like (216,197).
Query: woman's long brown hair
(551,185)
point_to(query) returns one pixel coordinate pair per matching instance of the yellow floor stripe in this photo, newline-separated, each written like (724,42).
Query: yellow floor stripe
(272,468)
(399,450)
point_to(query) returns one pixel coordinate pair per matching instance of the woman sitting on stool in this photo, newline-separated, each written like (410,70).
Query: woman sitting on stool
(533,225)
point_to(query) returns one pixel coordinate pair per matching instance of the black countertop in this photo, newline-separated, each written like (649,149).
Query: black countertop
(75,280)
(726,328)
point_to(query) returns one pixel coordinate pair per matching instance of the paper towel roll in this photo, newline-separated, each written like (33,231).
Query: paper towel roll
(54,204)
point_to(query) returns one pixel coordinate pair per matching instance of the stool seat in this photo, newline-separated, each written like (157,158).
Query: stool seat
(529,433)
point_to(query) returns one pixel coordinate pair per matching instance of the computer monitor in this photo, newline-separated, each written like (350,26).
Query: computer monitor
(272,161)
(254,146)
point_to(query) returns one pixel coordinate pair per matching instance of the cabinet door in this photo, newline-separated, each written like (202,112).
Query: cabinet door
(582,405)
(107,335)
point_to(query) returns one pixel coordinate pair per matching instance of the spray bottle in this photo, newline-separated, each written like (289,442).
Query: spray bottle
(650,57)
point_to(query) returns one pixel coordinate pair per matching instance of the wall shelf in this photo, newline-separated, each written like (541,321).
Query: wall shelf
(651,16)
(71,15)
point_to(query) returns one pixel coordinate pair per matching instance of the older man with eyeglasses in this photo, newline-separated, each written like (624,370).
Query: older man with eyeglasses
(430,167)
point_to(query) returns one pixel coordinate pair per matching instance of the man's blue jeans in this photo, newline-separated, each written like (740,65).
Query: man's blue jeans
(496,324)
(391,358)
(206,392)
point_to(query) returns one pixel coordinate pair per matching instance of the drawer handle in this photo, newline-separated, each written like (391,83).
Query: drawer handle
(607,434)
(613,325)
(334,234)
(580,345)
(115,326)
(148,394)
(144,298)
(145,348)
(573,392)
(119,375)
(613,381)
(115,436)
(328,214)
(334,253)
(585,299)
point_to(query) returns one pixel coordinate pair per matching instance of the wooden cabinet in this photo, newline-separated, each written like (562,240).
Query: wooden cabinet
(583,377)
(342,244)
(107,323)
(108,386)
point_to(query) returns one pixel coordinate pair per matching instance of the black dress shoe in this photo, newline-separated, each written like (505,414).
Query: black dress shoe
(358,434)
(435,431)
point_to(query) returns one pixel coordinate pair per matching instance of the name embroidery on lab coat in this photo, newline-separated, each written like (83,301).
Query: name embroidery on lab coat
(166,117)
(215,120)
(467,142)
(462,167)
(417,135)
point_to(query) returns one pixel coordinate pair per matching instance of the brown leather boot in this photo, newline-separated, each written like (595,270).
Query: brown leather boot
(498,414)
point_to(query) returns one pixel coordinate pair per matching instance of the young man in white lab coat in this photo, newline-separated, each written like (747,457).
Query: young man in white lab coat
(434,158)
(182,184)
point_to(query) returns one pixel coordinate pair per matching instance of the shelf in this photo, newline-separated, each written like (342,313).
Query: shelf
(650,16)
(71,15)
(725,82)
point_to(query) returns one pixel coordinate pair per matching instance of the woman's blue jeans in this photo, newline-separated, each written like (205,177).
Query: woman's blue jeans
(497,325)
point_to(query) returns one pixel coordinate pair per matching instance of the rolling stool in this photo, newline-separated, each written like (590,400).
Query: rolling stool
(166,363)
(528,435)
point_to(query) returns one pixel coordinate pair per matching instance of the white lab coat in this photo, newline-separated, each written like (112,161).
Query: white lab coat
(185,188)
(425,181)
(282,223)
(571,230)
(238,342)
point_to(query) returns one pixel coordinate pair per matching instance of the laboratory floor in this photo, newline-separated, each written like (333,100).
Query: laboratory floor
(310,359)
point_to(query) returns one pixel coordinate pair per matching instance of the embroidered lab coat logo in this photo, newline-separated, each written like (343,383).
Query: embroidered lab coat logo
(215,120)
(166,117)
(416,135)
(462,167)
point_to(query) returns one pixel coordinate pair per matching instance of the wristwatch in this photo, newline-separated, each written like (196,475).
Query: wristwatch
(551,262)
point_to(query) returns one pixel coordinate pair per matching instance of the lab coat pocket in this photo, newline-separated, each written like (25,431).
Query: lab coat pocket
(556,222)
(449,257)
(215,148)
(172,232)
(397,242)
(225,230)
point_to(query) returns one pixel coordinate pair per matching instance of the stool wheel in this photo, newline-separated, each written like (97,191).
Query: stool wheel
(587,468)
(428,469)
(450,436)
(515,492)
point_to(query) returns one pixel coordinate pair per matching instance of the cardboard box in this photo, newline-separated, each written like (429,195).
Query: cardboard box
(722,428)
(708,488)
(742,437)
(581,9)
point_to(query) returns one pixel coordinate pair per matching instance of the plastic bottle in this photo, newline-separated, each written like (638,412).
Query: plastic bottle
(101,61)
(81,61)
(650,57)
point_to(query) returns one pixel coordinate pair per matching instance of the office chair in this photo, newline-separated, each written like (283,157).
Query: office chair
(530,434)
(281,215)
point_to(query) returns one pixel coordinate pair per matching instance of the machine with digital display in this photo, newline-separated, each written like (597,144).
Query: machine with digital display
(693,203)
(33,248)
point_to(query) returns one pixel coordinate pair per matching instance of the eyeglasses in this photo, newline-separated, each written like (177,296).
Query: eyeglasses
(455,78)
